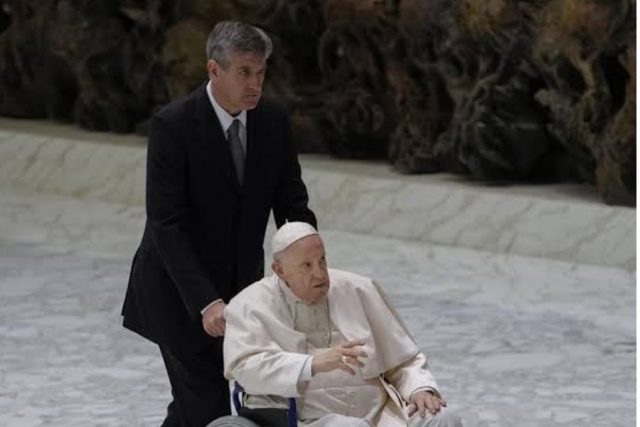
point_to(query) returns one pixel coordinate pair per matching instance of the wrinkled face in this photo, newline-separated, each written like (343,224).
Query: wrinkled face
(304,268)
(239,86)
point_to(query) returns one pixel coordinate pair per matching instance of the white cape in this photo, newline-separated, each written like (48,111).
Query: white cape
(265,354)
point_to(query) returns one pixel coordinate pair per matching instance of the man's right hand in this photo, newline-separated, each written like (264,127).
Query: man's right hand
(213,319)
(344,356)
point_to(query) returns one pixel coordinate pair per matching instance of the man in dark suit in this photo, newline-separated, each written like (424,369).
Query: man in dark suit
(219,161)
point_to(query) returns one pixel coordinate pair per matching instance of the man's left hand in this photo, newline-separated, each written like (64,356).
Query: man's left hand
(424,401)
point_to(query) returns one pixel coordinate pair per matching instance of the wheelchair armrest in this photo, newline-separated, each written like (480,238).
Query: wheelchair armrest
(292,412)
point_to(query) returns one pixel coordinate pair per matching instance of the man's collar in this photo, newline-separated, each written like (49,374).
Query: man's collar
(224,117)
(286,290)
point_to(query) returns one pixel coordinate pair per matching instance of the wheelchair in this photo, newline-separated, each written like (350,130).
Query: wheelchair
(265,417)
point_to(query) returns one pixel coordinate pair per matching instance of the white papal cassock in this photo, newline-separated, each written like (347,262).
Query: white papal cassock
(271,334)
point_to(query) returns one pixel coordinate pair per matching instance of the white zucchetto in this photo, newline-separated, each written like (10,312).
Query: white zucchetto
(289,233)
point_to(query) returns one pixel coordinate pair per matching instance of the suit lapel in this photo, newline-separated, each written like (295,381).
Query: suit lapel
(253,155)
(212,141)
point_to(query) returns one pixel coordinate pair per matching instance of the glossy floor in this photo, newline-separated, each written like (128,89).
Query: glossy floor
(512,341)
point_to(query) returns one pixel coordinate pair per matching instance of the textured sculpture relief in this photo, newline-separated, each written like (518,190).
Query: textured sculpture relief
(92,62)
(501,90)
(497,130)
(586,53)
(353,53)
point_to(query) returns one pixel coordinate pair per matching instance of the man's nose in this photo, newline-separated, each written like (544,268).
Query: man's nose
(255,82)
(319,272)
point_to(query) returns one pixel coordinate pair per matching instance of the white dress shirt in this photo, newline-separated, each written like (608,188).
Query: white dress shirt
(227,119)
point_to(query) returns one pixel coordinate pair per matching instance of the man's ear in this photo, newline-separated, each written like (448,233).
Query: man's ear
(213,69)
(276,266)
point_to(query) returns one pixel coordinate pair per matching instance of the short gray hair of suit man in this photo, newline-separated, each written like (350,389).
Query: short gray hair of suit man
(237,37)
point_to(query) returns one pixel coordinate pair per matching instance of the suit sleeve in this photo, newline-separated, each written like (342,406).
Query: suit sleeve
(168,212)
(292,200)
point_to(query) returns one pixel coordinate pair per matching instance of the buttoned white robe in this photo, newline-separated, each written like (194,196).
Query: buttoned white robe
(264,353)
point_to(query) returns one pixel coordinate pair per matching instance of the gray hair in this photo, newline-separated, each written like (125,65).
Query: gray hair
(232,36)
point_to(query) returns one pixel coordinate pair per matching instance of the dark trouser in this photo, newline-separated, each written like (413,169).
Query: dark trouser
(200,391)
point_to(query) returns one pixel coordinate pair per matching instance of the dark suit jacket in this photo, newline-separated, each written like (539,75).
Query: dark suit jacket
(204,234)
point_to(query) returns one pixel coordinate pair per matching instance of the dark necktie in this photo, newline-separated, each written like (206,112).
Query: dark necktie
(237,152)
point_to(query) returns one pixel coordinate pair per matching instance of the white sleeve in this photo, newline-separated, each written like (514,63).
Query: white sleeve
(305,373)
(279,374)
(412,376)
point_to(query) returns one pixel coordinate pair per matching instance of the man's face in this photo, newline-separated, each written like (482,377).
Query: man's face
(304,268)
(239,86)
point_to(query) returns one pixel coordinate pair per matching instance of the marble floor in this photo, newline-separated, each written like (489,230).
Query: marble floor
(513,341)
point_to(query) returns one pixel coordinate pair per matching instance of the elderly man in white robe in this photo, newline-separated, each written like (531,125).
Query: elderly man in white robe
(329,339)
